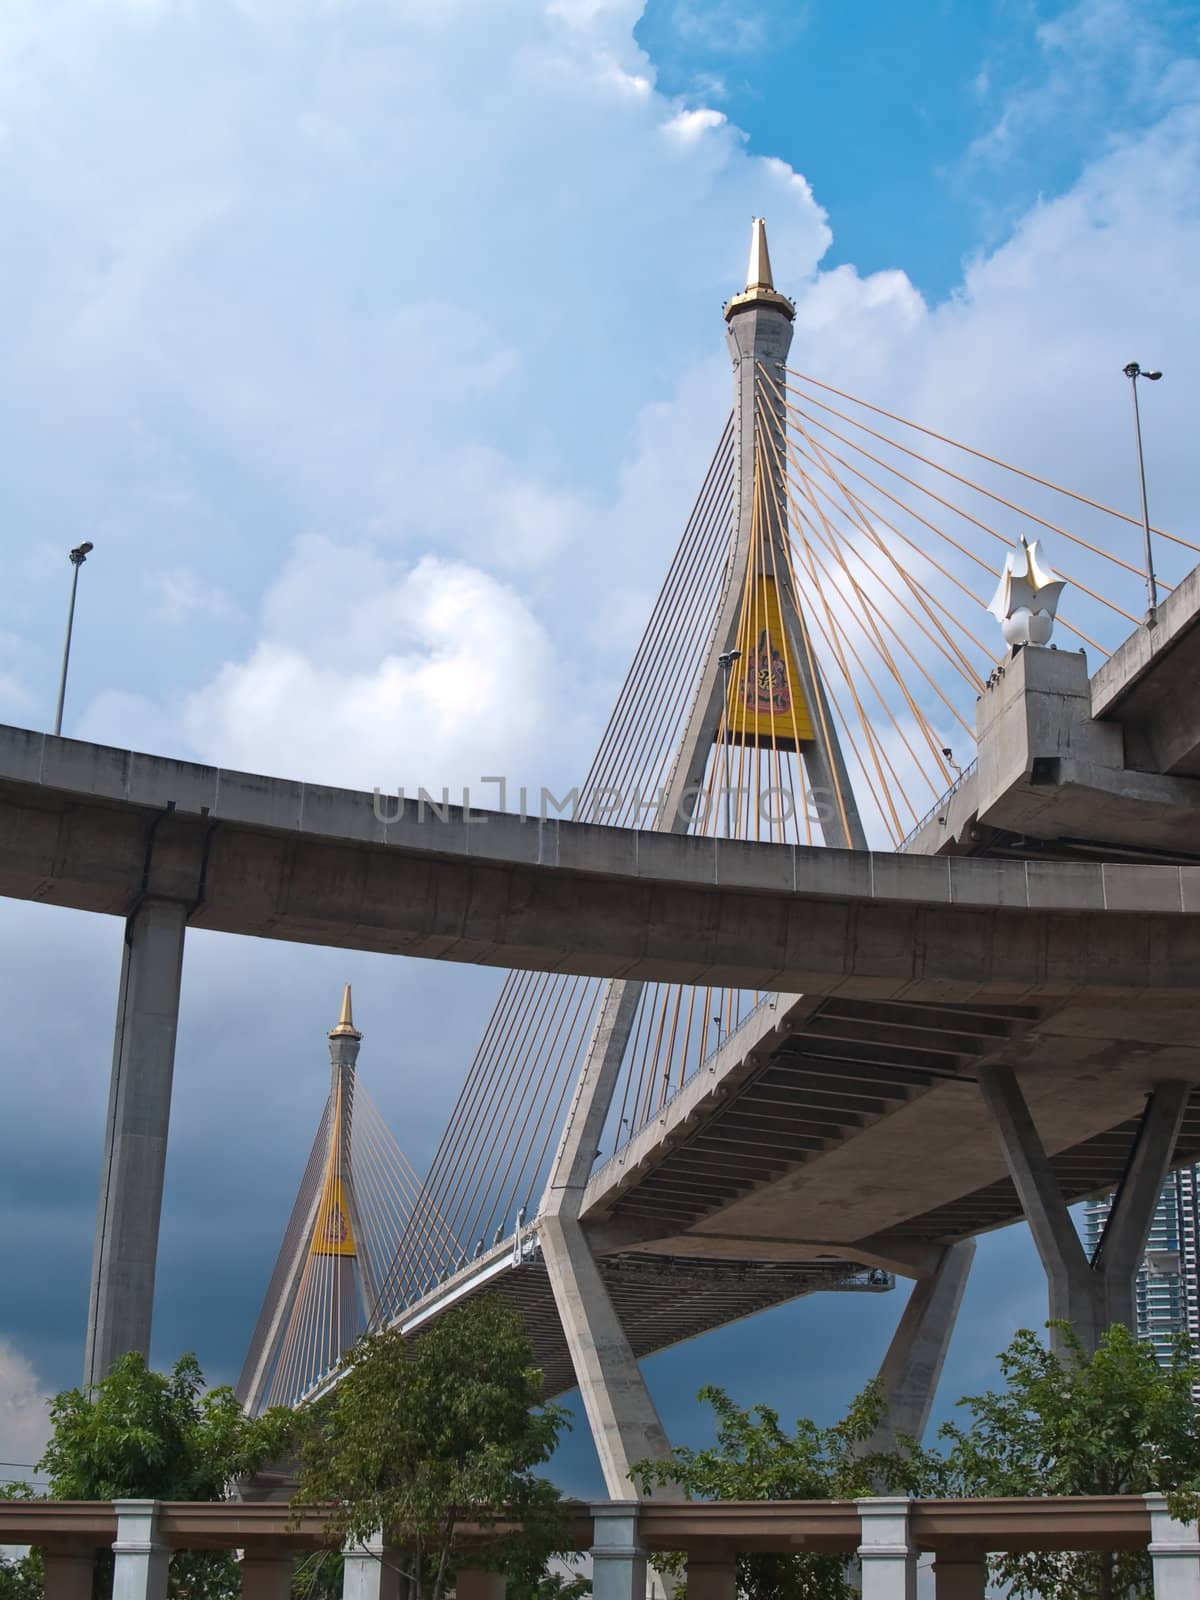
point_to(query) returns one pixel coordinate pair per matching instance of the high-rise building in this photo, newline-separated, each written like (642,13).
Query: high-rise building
(1168,1280)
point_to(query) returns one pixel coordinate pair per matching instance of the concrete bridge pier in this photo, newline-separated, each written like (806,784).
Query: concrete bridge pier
(912,1368)
(121,1303)
(1090,1295)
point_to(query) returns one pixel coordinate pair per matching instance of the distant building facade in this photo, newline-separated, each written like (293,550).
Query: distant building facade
(1168,1281)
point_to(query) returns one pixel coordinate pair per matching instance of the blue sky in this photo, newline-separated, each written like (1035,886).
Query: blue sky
(377,346)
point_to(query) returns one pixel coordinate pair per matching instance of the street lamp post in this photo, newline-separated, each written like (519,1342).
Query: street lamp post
(1133,372)
(77,557)
(727,659)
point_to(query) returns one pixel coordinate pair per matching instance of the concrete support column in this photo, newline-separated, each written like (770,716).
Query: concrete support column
(960,1575)
(712,1575)
(913,1364)
(371,1571)
(1089,1295)
(618,1560)
(267,1574)
(473,1583)
(135,1141)
(1174,1553)
(141,1556)
(68,1574)
(887,1553)
(621,1413)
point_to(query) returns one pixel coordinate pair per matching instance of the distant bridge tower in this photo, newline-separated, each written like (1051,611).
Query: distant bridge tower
(355,1198)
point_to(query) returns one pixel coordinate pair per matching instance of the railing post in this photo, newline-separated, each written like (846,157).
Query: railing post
(959,1575)
(712,1575)
(267,1573)
(141,1556)
(887,1553)
(618,1560)
(67,1574)
(371,1571)
(1174,1552)
(473,1583)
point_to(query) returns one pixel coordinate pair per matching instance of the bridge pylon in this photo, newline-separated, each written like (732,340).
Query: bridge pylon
(759,692)
(355,1198)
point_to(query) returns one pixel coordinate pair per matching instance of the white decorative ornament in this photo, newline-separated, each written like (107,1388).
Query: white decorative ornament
(1027,597)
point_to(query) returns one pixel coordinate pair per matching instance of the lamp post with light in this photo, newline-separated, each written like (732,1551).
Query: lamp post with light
(1133,372)
(77,557)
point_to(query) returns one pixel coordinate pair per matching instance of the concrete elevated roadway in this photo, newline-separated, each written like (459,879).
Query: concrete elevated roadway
(835,1132)
(105,830)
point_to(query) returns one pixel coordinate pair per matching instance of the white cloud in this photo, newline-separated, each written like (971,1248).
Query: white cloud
(690,126)
(723,26)
(179,592)
(370,673)
(24,1417)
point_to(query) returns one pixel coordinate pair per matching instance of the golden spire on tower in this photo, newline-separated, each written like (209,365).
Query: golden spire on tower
(345,1025)
(760,287)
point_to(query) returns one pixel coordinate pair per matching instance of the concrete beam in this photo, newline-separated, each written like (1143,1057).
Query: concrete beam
(121,1301)
(283,860)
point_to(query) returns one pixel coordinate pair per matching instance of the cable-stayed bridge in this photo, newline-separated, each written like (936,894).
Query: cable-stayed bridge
(805,650)
(815,1005)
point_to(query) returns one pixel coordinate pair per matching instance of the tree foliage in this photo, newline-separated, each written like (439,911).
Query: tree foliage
(755,1458)
(1067,1423)
(139,1434)
(1115,1422)
(20,1578)
(447,1428)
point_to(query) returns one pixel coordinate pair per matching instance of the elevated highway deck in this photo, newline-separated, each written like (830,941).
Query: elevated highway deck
(839,1132)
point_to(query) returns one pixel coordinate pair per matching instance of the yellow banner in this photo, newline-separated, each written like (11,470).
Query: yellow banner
(766,702)
(333,1235)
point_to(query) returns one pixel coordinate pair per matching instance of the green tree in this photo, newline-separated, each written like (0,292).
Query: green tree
(1115,1422)
(421,1434)
(755,1458)
(139,1434)
(20,1579)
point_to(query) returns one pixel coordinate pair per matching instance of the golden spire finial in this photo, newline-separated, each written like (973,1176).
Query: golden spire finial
(345,1026)
(760,285)
(758,273)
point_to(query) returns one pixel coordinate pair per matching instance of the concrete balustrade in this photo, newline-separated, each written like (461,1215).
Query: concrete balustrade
(623,1537)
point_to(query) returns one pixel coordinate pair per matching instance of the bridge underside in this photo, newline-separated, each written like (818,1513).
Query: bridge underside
(661,1300)
(856,1130)
(831,1137)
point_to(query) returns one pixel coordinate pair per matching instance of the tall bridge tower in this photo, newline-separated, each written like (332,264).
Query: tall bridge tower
(760,692)
(354,1200)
